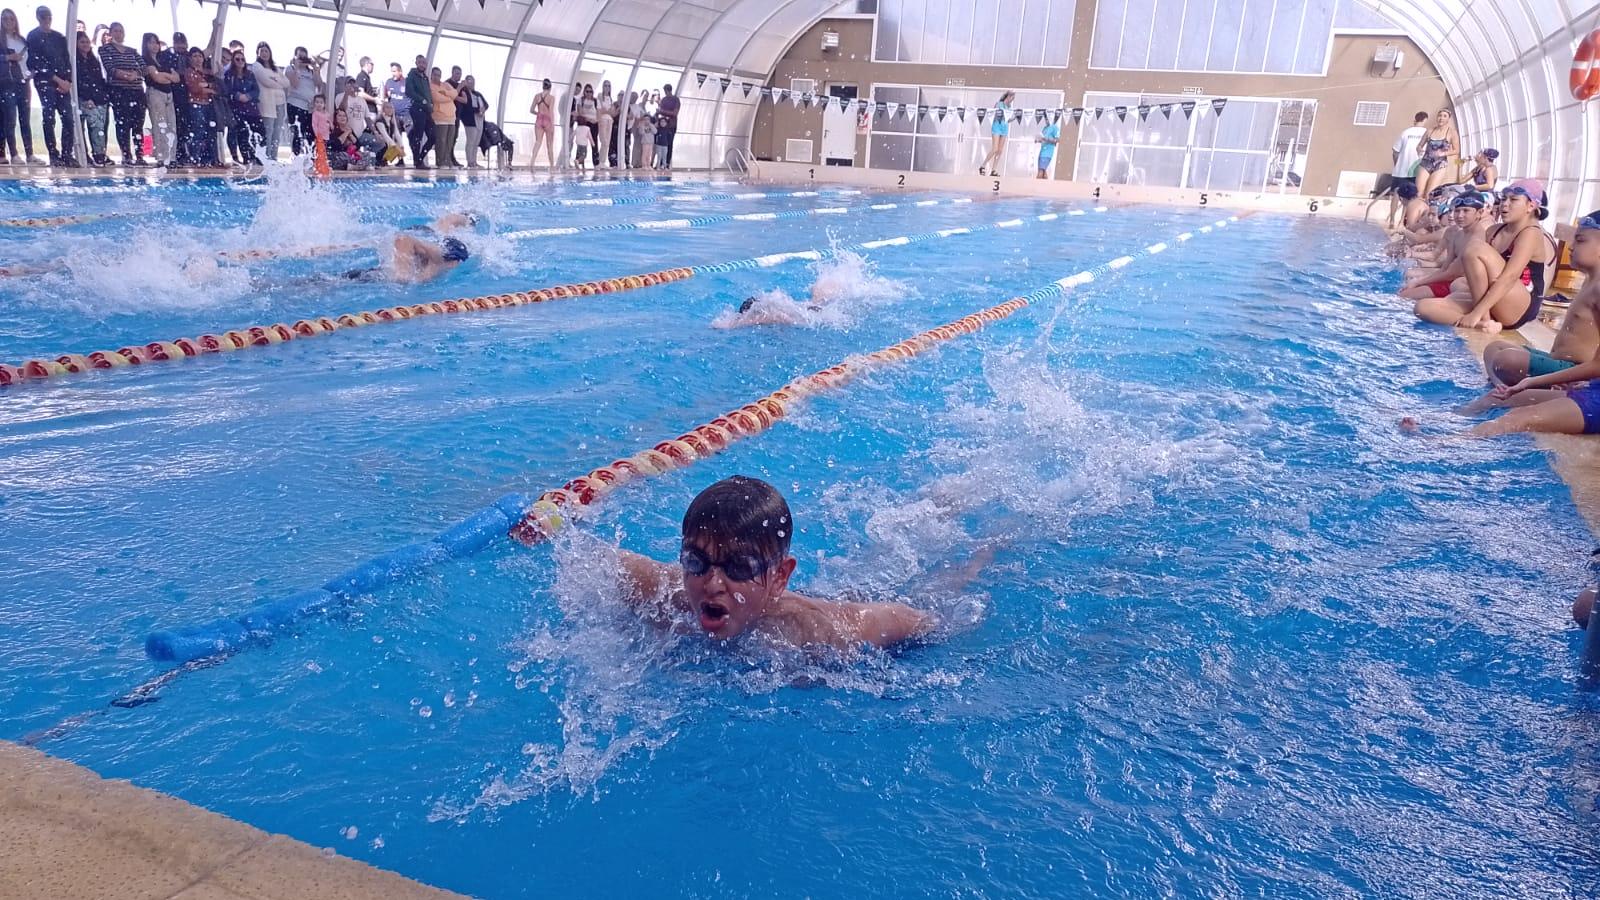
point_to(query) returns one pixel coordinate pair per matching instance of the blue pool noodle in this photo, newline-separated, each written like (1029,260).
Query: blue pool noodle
(257,626)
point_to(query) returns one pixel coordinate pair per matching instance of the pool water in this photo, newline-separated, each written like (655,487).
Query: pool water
(1239,637)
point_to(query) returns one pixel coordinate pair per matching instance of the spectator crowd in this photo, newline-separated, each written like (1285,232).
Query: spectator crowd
(215,107)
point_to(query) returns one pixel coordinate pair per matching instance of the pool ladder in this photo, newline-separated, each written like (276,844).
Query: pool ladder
(739,159)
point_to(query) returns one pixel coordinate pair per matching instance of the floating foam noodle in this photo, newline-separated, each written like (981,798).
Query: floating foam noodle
(472,535)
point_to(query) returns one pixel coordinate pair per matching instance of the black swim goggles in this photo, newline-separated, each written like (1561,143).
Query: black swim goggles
(1517,190)
(1474,200)
(735,567)
(1591,222)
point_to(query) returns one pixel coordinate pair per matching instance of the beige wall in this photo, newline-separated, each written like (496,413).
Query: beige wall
(1336,144)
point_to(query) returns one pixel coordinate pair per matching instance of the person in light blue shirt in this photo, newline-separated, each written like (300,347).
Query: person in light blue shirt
(998,133)
(1049,137)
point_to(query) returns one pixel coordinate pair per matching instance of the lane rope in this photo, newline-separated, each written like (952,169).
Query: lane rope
(53,221)
(703,221)
(534,519)
(278,333)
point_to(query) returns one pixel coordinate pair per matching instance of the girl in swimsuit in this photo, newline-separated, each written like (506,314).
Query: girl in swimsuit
(1486,173)
(544,126)
(998,133)
(1437,146)
(1499,299)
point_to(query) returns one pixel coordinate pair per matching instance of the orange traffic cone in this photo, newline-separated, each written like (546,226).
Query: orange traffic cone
(320,165)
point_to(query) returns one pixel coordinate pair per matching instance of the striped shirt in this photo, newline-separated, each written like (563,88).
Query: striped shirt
(122,59)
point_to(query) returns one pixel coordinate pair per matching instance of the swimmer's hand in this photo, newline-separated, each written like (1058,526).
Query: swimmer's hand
(1507,391)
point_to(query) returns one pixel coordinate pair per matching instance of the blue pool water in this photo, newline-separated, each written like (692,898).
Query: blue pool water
(1240,636)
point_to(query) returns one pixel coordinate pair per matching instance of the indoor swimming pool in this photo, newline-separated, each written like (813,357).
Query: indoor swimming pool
(1239,636)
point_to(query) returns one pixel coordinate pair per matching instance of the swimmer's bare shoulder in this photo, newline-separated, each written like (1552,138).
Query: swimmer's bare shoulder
(652,586)
(845,625)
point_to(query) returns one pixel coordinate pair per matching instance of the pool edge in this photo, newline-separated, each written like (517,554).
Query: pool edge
(71,834)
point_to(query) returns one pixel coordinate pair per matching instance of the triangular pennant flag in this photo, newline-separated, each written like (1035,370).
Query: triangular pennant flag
(1188,108)
(922,110)
(1122,114)
(1017,115)
(1098,112)
(1038,117)
(882,107)
(747,86)
(1077,114)
(723,84)
(893,109)
(961,113)
(1166,110)
(783,96)
(1218,104)
(1055,116)
(982,112)
(699,79)
(1144,111)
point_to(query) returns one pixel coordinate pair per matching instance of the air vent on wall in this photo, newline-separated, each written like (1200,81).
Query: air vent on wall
(1372,112)
(803,86)
(796,150)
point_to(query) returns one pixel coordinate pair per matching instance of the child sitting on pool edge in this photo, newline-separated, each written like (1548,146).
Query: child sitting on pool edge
(733,576)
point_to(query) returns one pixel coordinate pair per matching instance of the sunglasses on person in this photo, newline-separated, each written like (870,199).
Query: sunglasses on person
(735,567)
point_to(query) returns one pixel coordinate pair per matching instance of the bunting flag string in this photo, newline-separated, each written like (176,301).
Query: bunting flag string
(1188,108)
(982,113)
(922,111)
(1055,118)
(1144,111)
(961,113)
(1077,114)
(723,84)
(941,112)
(1098,112)
(700,79)
(1166,110)
(1038,117)
(1218,104)
(883,108)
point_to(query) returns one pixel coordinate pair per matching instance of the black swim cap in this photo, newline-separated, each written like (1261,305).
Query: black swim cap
(745,306)
(454,250)
(1407,190)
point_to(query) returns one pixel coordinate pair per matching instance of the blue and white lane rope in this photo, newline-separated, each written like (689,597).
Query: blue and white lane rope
(703,221)
(674,198)
(485,528)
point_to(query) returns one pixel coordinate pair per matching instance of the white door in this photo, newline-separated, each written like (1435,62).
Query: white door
(839,127)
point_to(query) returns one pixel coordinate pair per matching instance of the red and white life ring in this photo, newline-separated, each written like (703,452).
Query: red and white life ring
(1584,79)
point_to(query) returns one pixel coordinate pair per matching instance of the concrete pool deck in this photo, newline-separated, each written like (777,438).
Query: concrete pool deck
(69,834)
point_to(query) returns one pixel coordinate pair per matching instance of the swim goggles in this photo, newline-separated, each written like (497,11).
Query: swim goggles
(736,567)
(1517,189)
(1590,222)
(1474,200)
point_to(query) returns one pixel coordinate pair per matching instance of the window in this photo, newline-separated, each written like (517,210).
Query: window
(984,33)
(1256,144)
(1288,37)
(1372,112)
(954,141)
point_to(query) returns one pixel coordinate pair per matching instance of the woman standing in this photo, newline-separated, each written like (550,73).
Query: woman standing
(444,119)
(244,100)
(201,86)
(14,109)
(1437,146)
(471,110)
(998,132)
(544,126)
(124,70)
(606,121)
(94,98)
(304,84)
(586,116)
(274,84)
(161,80)
(1485,173)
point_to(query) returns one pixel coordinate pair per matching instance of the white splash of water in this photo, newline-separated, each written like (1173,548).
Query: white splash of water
(845,288)
(298,212)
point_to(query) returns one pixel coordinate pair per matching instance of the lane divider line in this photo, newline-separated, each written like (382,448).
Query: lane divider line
(278,333)
(703,221)
(672,198)
(532,520)
(53,221)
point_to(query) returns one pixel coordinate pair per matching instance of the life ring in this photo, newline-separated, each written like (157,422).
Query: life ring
(1584,79)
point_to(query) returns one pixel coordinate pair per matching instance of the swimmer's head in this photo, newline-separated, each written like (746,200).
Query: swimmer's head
(735,554)
(745,306)
(1586,243)
(1406,190)
(454,250)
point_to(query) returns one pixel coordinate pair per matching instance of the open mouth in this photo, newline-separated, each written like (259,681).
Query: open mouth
(713,616)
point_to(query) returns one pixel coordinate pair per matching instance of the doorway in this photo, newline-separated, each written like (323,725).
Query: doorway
(839,126)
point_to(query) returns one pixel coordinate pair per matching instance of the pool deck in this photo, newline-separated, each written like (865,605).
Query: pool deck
(68,834)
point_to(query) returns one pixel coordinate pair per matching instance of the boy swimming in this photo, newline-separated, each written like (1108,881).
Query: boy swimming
(733,576)
(416,260)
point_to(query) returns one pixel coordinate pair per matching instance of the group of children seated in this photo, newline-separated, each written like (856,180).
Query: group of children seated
(1481,262)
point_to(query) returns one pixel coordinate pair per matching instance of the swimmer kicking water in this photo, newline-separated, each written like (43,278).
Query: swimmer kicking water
(733,577)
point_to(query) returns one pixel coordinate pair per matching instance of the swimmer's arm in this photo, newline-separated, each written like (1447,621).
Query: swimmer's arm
(645,579)
(887,624)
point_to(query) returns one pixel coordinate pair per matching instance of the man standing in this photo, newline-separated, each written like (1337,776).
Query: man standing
(394,91)
(667,123)
(124,74)
(1405,162)
(369,91)
(176,59)
(420,93)
(52,74)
